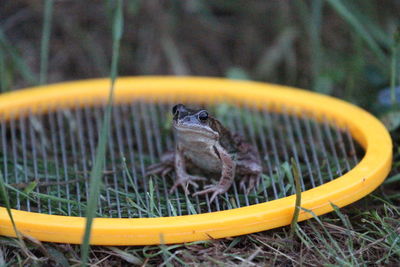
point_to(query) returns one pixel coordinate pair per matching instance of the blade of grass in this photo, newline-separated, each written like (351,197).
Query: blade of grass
(393,67)
(168,256)
(315,42)
(16,59)
(44,47)
(127,256)
(172,207)
(96,172)
(150,195)
(132,182)
(296,178)
(312,17)
(3,72)
(4,195)
(358,26)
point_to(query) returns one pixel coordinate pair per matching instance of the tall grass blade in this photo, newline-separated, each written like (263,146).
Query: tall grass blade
(393,67)
(136,191)
(44,47)
(312,19)
(96,173)
(315,42)
(296,178)
(16,59)
(3,72)
(358,26)
(4,196)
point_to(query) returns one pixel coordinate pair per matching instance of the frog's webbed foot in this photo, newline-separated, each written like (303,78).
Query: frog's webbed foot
(215,189)
(252,182)
(184,181)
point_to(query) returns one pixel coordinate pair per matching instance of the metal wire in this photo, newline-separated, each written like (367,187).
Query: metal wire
(47,158)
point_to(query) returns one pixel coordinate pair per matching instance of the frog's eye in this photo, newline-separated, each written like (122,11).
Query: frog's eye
(203,116)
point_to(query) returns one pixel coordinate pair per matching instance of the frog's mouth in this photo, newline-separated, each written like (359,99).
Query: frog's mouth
(195,129)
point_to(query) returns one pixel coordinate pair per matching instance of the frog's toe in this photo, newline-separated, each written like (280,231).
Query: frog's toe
(159,168)
(215,189)
(185,181)
(197,178)
(179,183)
(166,171)
(154,169)
(165,166)
(252,182)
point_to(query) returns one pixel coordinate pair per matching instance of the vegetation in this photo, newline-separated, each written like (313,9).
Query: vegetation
(348,49)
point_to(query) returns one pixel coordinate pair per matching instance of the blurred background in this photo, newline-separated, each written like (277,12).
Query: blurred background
(346,48)
(341,48)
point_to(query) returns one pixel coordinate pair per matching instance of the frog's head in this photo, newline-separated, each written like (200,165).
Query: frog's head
(192,122)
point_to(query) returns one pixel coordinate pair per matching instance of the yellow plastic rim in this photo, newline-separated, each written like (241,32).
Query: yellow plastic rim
(353,185)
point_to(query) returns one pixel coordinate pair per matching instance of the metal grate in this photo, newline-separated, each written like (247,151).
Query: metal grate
(46,159)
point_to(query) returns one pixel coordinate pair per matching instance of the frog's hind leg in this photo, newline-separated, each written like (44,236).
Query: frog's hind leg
(164,167)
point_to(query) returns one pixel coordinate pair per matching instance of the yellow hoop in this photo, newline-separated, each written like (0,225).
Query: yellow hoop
(353,185)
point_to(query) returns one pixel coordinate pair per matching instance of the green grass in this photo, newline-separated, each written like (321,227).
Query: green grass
(341,48)
(297,205)
(44,48)
(394,65)
(358,26)
(348,236)
(99,162)
(13,64)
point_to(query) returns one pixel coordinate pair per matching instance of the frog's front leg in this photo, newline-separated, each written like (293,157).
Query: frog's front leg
(227,174)
(183,178)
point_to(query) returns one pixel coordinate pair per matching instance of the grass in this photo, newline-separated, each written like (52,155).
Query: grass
(13,63)
(44,49)
(394,65)
(359,28)
(6,200)
(297,205)
(349,236)
(99,162)
(345,54)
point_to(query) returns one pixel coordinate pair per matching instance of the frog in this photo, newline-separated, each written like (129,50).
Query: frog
(204,146)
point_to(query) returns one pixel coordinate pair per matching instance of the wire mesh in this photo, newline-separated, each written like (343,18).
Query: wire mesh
(46,159)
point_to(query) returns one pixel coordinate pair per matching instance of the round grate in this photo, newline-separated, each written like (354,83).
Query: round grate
(47,158)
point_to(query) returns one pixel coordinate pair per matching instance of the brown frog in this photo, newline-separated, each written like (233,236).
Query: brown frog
(203,144)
